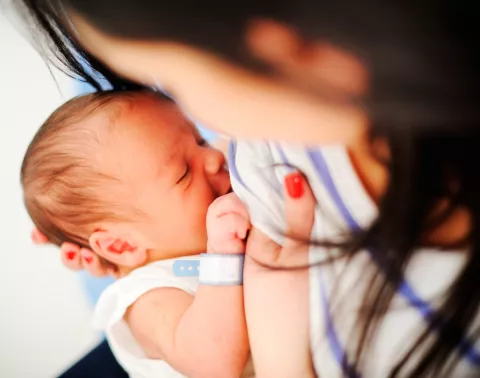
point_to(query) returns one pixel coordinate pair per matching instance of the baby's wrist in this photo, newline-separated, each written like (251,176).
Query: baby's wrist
(221,269)
(226,248)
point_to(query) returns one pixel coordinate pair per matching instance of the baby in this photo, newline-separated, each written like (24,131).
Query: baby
(128,176)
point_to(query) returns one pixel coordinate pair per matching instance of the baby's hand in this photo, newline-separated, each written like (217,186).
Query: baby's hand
(227,225)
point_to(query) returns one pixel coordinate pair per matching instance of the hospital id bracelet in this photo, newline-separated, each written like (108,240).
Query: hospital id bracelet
(220,269)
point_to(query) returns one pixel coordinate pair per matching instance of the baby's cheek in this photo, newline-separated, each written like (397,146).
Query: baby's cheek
(198,226)
(195,214)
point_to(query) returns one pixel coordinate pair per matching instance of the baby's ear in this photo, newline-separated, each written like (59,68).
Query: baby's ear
(118,250)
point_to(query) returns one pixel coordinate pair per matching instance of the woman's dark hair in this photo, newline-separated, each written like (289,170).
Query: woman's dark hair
(66,53)
(423,58)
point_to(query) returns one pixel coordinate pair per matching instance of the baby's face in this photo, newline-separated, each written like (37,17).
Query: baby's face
(168,173)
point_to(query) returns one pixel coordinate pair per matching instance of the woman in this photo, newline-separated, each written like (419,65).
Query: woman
(394,82)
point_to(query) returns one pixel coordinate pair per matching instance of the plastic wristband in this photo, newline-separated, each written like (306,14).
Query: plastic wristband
(221,269)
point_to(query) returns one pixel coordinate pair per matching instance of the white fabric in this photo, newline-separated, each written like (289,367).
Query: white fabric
(257,172)
(118,297)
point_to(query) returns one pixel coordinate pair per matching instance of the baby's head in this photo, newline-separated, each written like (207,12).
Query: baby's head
(124,173)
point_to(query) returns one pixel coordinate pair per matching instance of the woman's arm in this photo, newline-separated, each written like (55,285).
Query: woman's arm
(277,301)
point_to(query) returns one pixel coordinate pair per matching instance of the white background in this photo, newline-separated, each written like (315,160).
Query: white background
(44,314)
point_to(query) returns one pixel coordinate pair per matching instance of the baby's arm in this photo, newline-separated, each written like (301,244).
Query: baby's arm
(205,336)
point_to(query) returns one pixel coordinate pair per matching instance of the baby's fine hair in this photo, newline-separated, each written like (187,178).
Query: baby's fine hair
(64,189)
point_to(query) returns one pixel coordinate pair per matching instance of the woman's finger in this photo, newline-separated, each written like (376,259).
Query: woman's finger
(70,256)
(93,264)
(38,237)
(261,249)
(76,258)
(299,216)
(269,315)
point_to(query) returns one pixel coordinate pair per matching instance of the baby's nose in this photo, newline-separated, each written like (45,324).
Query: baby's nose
(214,162)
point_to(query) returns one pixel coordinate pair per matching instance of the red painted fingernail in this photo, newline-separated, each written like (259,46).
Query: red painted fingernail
(71,255)
(87,255)
(294,184)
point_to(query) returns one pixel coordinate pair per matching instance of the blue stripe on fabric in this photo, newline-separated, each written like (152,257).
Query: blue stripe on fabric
(232,151)
(283,157)
(232,167)
(333,339)
(324,174)
(466,346)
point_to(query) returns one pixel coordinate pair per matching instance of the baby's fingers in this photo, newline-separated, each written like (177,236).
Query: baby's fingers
(228,234)
(236,225)
(229,203)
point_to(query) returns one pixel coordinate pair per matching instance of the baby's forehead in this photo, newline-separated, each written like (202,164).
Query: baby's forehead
(152,129)
(155,118)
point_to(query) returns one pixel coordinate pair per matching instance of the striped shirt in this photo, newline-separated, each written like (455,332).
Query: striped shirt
(257,171)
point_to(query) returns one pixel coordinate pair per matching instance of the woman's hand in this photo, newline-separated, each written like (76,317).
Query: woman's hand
(76,258)
(277,300)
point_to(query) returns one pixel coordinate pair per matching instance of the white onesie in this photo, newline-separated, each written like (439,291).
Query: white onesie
(118,297)
(257,171)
